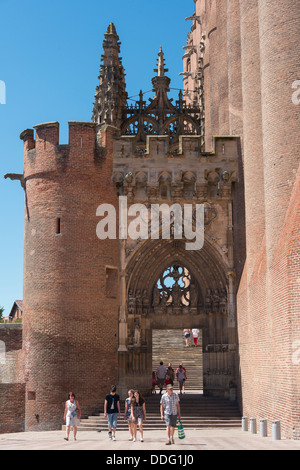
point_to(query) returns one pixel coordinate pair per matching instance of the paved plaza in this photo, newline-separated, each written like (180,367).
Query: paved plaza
(207,439)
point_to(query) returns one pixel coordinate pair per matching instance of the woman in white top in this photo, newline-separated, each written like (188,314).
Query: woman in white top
(187,335)
(72,415)
(195,332)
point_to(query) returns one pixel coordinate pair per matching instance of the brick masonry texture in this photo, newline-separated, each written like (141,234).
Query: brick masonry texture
(71,307)
(248,92)
(70,325)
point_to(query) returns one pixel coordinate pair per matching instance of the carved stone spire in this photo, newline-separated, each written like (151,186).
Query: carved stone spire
(110,96)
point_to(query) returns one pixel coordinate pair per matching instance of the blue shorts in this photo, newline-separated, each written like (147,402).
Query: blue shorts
(112,419)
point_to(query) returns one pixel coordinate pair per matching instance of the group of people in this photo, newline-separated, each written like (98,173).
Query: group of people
(188,334)
(164,376)
(134,414)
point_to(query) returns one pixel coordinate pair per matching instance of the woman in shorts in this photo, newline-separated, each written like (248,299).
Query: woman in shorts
(138,414)
(187,335)
(127,413)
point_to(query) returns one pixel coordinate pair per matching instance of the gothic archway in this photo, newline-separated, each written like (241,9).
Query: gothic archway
(202,300)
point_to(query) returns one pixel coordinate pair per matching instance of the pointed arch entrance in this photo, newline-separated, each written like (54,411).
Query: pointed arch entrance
(165,286)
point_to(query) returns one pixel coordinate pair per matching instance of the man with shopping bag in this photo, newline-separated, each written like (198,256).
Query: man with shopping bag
(170,412)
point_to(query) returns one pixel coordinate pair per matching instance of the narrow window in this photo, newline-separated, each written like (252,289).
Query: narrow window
(58,226)
(81,144)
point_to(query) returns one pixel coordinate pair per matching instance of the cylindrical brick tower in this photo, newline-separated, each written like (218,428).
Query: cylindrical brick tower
(252,137)
(280,67)
(70,276)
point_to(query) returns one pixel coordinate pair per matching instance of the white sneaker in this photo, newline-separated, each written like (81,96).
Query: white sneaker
(142,440)
(130,439)
(114,438)
(134,439)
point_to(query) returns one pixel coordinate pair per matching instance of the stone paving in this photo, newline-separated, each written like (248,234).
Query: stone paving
(206,439)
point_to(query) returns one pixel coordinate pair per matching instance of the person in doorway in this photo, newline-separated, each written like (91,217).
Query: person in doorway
(181,376)
(127,413)
(138,414)
(112,411)
(171,373)
(185,376)
(187,335)
(161,372)
(154,382)
(72,415)
(170,412)
(195,333)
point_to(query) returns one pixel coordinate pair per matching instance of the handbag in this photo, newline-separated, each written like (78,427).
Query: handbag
(181,433)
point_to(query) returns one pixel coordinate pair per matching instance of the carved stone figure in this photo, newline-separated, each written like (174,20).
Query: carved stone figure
(223,301)
(216,301)
(131,302)
(208,301)
(156,297)
(137,333)
(145,301)
(139,302)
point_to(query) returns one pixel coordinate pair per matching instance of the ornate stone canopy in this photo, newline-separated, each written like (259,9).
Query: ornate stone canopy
(161,116)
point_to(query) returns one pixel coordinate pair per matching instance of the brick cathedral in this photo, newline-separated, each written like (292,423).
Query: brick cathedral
(231,143)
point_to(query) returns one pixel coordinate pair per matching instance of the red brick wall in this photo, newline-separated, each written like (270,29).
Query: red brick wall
(12,408)
(262,63)
(70,325)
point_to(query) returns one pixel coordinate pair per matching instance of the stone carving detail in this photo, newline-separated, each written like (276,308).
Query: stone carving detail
(216,301)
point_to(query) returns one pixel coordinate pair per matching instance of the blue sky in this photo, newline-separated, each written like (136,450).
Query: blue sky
(49,61)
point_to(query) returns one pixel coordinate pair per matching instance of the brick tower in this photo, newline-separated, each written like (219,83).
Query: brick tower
(70,276)
(240,65)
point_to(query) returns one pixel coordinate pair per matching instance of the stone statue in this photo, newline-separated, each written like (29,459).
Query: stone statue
(139,302)
(145,301)
(156,296)
(131,302)
(208,301)
(216,301)
(223,301)
(137,333)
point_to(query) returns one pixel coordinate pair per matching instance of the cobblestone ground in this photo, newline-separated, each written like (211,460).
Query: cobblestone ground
(222,439)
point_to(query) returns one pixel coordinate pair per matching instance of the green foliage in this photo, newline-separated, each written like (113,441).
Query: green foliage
(1,313)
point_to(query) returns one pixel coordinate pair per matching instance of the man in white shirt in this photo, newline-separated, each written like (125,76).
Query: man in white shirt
(161,372)
(170,412)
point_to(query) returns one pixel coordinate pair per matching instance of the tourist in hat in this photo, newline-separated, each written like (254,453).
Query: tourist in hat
(170,412)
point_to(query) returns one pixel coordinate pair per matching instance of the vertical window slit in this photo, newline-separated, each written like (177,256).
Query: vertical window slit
(58,226)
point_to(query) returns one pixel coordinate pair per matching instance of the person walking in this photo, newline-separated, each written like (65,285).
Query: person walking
(138,414)
(187,335)
(185,376)
(195,333)
(112,411)
(127,413)
(171,373)
(161,372)
(181,377)
(170,412)
(72,415)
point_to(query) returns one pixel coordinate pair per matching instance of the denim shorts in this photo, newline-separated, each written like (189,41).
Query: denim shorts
(171,420)
(112,419)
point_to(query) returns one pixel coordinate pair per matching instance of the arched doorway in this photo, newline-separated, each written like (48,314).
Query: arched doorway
(166,285)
